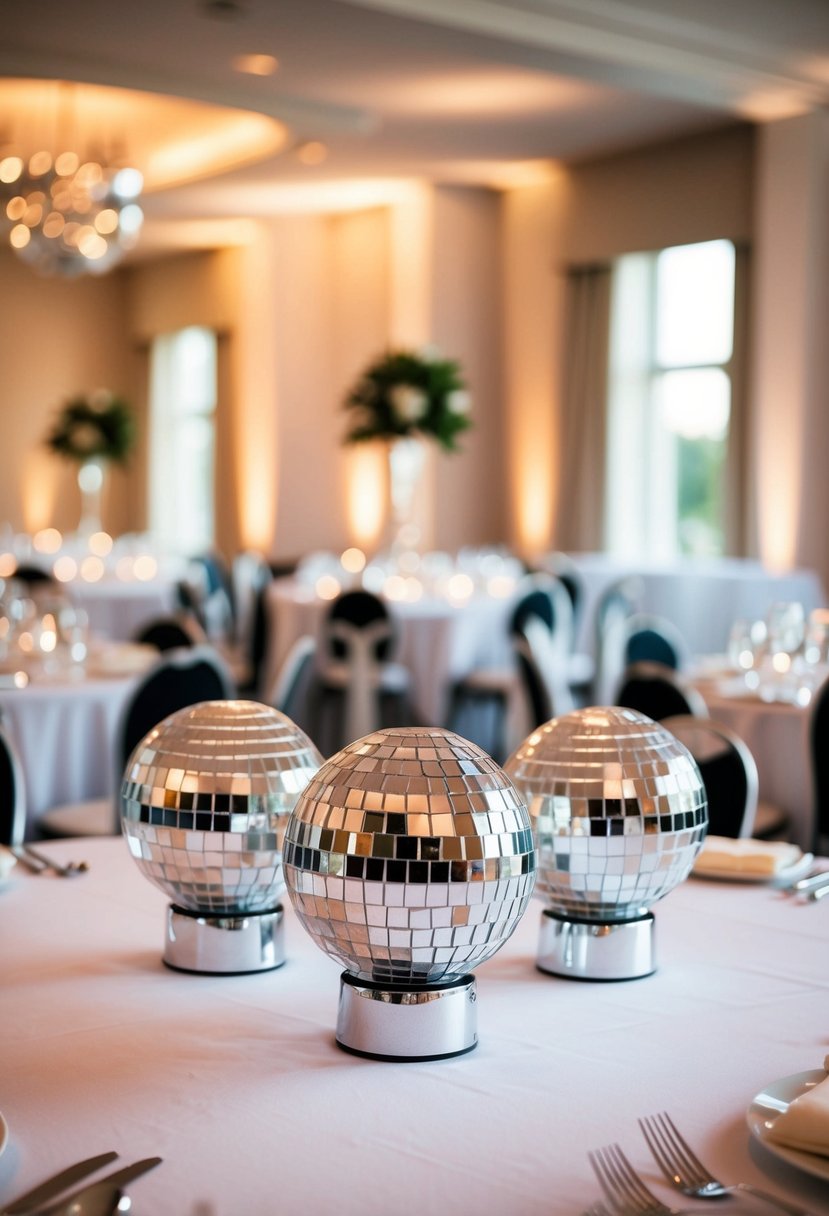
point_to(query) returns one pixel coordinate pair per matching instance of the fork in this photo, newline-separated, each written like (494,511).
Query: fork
(685,1171)
(625,1190)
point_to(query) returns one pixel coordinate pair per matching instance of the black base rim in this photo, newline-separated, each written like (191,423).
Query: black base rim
(354,981)
(213,974)
(586,979)
(583,920)
(373,1055)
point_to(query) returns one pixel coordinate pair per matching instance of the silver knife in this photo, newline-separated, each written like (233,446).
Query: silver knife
(815,893)
(816,879)
(56,1184)
(110,1182)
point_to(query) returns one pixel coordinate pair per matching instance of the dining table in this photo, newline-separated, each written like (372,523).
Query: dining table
(63,724)
(237,1083)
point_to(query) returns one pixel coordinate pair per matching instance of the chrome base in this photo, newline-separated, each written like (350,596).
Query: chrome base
(389,1021)
(593,950)
(224,945)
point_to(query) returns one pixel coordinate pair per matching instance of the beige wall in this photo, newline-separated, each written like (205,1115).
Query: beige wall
(57,338)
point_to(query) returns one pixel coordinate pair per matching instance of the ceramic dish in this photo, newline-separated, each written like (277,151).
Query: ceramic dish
(770,1103)
(783,878)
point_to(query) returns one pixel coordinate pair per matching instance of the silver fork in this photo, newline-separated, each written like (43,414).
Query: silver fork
(685,1171)
(625,1190)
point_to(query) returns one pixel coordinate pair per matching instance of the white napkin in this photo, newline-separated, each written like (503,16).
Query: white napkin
(805,1123)
(746,856)
(7,860)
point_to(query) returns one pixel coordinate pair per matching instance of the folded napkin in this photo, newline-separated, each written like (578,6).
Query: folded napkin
(746,856)
(7,860)
(805,1122)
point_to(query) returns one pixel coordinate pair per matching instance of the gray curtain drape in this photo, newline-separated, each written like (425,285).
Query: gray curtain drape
(580,513)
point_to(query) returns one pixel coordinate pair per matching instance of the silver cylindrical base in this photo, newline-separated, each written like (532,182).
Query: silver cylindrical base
(224,945)
(590,950)
(389,1021)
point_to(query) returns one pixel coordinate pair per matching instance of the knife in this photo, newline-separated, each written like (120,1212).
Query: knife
(110,1182)
(57,1183)
(816,879)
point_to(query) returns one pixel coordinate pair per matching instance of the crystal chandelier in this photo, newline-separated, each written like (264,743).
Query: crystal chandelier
(67,213)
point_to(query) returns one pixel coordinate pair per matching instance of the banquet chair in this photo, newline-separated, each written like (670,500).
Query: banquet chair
(180,678)
(12,793)
(171,632)
(819,762)
(358,687)
(640,638)
(728,771)
(620,600)
(541,625)
(659,692)
(33,576)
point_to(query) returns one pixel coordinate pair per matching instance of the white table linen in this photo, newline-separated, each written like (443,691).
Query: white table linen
(64,731)
(701,597)
(236,1082)
(117,609)
(438,641)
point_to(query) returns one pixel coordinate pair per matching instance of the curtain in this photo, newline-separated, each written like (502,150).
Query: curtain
(580,513)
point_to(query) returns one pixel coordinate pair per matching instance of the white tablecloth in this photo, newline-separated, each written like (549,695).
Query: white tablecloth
(236,1082)
(438,642)
(64,732)
(702,598)
(117,609)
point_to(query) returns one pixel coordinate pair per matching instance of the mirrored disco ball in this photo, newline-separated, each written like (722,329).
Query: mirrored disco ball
(409,857)
(618,809)
(204,802)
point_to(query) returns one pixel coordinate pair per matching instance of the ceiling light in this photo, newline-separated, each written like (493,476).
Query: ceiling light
(312,152)
(255,65)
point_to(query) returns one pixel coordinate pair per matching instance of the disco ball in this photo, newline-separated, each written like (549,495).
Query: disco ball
(409,857)
(204,802)
(618,809)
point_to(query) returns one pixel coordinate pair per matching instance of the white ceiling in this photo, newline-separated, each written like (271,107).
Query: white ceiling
(454,90)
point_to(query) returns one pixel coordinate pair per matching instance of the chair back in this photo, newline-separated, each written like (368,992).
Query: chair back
(618,602)
(288,694)
(728,771)
(355,612)
(180,678)
(659,692)
(653,639)
(571,578)
(543,617)
(537,692)
(12,793)
(171,632)
(819,761)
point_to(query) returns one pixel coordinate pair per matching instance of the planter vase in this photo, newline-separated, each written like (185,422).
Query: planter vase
(407,466)
(91,485)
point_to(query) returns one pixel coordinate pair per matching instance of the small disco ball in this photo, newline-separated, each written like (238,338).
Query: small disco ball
(618,809)
(409,857)
(204,802)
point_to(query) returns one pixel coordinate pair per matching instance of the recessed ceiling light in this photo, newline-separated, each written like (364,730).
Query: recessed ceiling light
(312,152)
(255,65)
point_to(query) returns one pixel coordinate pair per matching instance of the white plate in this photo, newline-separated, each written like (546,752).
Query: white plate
(4,1134)
(770,1103)
(782,878)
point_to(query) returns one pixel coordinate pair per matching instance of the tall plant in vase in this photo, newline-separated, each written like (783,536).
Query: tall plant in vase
(405,398)
(94,431)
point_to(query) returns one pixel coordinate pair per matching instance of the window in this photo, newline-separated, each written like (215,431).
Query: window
(671,343)
(182,440)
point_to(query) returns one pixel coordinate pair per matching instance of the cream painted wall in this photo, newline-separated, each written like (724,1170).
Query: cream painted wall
(57,338)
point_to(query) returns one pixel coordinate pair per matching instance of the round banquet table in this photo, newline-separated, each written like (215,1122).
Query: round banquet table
(438,641)
(117,609)
(64,726)
(777,735)
(237,1083)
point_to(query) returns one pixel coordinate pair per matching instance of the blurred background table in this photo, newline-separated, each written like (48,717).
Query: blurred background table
(237,1083)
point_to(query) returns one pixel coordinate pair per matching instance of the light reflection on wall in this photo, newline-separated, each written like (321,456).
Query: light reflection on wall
(366,494)
(39,488)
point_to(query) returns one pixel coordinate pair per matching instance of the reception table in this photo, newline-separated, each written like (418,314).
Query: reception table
(237,1083)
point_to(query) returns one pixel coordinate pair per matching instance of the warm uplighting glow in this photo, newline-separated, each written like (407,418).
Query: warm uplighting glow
(365,494)
(145,568)
(92,569)
(353,560)
(8,565)
(47,540)
(65,569)
(255,65)
(460,587)
(100,543)
(327,587)
(312,152)
(772,105)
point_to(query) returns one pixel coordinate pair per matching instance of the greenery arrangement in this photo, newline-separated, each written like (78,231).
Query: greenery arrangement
(408,393)
(100,426)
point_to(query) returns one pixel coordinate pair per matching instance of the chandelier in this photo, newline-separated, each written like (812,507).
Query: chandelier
(67,213)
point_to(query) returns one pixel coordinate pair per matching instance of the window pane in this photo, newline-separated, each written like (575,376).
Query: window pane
(694,403)
(695,293)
